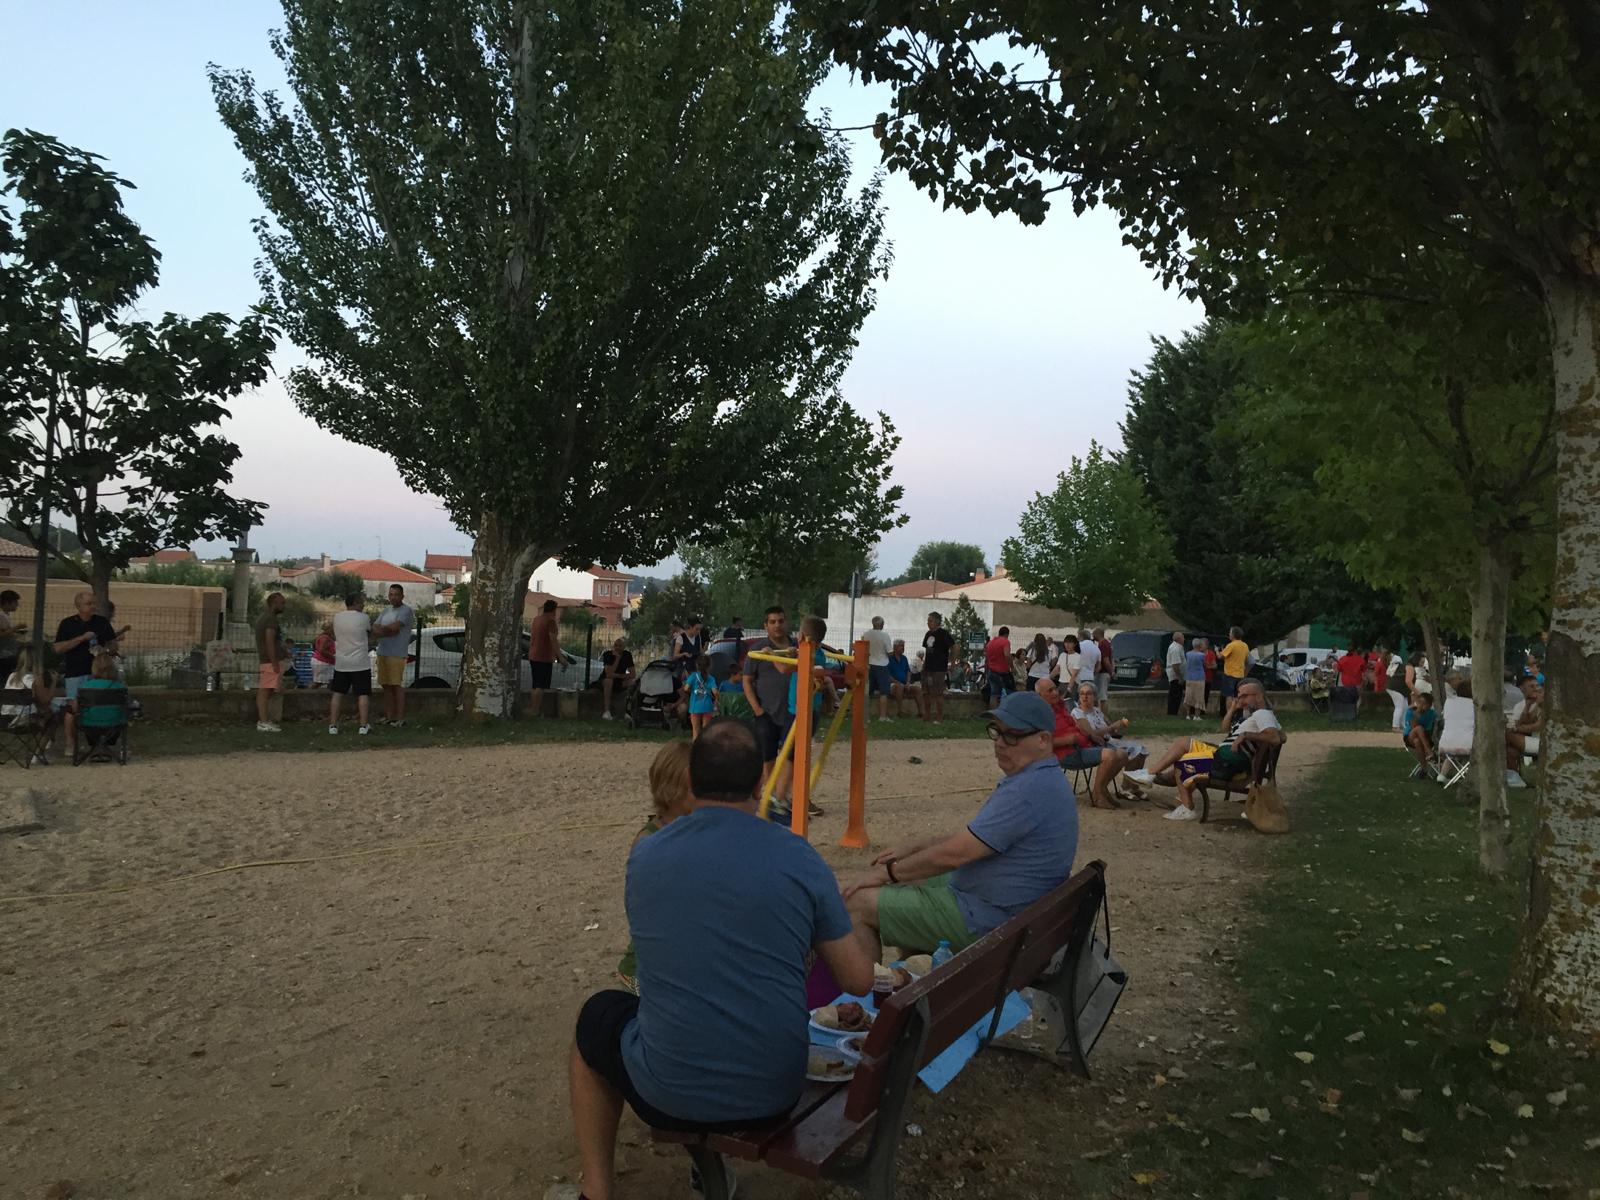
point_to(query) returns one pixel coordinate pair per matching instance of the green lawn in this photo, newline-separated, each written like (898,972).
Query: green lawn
(1375,1057)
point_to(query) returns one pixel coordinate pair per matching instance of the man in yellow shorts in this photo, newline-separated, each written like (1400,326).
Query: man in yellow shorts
(394,627)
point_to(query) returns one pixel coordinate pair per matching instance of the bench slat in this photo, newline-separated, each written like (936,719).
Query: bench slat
(809,1148)
(748,1144)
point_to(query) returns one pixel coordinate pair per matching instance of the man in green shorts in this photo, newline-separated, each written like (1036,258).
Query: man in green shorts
(958,886)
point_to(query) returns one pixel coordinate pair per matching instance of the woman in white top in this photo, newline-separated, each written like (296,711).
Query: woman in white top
(1091,718)
(26,678)
(1066,668)
(1041,657)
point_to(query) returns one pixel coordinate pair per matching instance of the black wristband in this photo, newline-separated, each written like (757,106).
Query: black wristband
(888,866)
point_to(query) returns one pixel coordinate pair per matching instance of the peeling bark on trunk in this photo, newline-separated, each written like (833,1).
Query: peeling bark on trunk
(1555,977)
(1489,602)
(491,669)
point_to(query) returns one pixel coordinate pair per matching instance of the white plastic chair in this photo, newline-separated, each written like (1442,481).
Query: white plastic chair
(1455,741)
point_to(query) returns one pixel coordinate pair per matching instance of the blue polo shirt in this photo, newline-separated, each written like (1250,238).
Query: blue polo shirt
(724,908)
(1030,821)
(899,668)
(1194,666)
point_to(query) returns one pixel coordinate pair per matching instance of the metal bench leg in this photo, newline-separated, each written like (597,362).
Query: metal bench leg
(713,1174)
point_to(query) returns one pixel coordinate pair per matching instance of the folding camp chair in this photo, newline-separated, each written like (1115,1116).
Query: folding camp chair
(22,733)
(1455,741)
(101,730)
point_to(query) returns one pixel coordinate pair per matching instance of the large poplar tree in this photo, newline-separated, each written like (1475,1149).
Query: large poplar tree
(1317,147)
(584,268)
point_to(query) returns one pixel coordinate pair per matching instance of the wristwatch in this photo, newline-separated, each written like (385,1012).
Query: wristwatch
(888,866)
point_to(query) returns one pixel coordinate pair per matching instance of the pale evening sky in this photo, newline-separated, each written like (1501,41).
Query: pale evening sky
(998,350)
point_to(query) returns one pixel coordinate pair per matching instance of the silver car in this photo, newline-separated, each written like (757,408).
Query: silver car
(444,647)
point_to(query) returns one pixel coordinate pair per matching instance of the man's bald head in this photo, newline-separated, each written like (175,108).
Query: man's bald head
(725,763)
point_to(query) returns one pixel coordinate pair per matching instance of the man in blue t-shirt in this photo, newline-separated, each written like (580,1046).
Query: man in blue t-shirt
(957,887)
(1194,681)
(724,909)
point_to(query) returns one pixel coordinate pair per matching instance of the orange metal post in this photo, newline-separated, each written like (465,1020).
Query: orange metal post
(855,831)
(800,791)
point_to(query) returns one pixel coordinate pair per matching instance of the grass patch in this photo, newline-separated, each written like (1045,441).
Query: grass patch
(1378,955)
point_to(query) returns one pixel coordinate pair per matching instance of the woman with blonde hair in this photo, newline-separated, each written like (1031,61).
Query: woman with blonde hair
(669,800)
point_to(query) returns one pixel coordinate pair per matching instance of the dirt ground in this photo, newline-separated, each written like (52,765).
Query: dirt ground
(394,1023)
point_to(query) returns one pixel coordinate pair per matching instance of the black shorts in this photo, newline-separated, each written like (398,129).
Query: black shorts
(601,1022)
(770,732)
(541,672)
(352,683)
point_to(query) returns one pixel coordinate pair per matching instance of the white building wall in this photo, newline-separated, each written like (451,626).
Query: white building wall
(902,617)
(562,582)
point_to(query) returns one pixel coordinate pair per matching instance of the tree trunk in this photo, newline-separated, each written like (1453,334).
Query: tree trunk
(1435,651)
(1555,976)
(100,584)
(1489,600)
(491,669)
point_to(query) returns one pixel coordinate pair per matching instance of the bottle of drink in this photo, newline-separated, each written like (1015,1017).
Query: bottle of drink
(943,954)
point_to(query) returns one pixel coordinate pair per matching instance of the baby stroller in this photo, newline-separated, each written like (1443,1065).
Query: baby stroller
(654,695)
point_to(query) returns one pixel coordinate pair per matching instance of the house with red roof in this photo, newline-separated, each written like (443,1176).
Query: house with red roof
(447,569)
(162,558)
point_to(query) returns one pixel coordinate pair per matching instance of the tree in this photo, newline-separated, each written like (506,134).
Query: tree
(1384,135)
(953,562)
(461,600)
(1232,561)
(123,410)
(1094,545)
(557,259)
(334,584)
(683,598)
(406,566)
(1458,511)
(965,625)
(747,574)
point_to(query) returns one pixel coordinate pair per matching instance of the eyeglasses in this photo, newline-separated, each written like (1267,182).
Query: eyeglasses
(998,733)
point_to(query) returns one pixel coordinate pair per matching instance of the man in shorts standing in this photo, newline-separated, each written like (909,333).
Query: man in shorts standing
(879,644)
(936,646)
(1102,669)
(269,650)
(352,664)
(544,647)
(78,639)
(766,689)
(394,629)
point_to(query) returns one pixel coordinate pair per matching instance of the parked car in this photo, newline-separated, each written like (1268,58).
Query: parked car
(444,646)
(1139,658)
(1295,664)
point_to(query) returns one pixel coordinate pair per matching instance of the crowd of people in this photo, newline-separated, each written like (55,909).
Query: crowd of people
(86,649)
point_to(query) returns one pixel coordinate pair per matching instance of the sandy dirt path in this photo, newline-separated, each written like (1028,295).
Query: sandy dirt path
(396,1023)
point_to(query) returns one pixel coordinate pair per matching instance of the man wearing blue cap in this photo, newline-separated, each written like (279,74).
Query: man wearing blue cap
(959,886)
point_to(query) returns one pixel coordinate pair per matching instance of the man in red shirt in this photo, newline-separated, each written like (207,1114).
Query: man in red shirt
(1351,667)
(543,650)
(997,662)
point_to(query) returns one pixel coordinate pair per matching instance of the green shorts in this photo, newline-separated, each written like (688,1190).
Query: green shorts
(918,916)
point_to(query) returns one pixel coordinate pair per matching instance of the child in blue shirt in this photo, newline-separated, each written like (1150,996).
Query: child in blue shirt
(1418,726)
(813,629)
(702,686)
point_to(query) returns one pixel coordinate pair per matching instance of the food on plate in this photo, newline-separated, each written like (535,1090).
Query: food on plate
(847,1017)
(919,964)
(893,978)
(855,1043)
(822,1065)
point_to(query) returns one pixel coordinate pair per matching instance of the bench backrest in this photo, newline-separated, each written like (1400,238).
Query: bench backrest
(919,1022)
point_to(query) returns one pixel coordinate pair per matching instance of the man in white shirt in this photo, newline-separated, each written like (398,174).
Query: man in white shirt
(394,628)
(1088,658)
(879,644)
(1174,674)
(1246,722)
(352,666)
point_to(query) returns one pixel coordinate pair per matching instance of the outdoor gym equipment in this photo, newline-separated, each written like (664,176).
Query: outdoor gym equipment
(798,742)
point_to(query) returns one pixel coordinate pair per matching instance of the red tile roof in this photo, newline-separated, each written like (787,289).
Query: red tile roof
(445,562)
(921,589)
(166,556)
(378,570)
(9,549)
(607,573)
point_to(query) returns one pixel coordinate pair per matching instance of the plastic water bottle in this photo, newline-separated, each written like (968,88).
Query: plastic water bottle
(943,954)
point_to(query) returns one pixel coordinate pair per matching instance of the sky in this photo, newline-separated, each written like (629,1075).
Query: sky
(999,351)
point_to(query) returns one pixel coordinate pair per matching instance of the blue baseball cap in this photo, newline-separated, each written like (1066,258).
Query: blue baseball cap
(1024,712)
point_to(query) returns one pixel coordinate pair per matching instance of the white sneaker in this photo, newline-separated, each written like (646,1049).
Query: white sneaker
(1140,776)
(1182,814)
(333,729)
(606,716)
(268,727)
(364,730)
(397,724)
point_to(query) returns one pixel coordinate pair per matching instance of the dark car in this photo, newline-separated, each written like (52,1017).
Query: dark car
(1139,656)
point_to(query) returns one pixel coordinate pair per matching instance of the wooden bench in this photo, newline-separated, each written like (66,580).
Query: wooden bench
(1043,947)
(1263,766)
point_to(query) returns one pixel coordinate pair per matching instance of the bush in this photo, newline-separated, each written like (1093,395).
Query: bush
(336,585)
